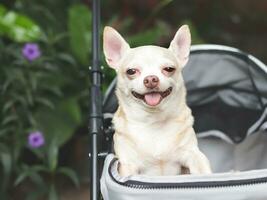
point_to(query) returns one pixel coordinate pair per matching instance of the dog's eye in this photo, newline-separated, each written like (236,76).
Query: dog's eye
(131,71)
(169,69)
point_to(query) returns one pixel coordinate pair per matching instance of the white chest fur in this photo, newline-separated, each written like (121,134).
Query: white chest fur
(157,139)
(153,139)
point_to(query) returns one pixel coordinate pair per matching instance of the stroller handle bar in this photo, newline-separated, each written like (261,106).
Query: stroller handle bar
(95,118)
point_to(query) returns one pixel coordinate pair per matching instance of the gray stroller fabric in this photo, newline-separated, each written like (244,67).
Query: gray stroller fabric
(228,161)
(211,75)
(226,156)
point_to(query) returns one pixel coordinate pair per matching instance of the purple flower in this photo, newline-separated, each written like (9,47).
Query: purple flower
(36,139)
(31,51)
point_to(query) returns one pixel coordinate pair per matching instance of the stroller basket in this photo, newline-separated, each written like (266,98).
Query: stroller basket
(226,90)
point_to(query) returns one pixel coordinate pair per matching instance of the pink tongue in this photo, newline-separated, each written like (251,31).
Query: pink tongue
(152,99)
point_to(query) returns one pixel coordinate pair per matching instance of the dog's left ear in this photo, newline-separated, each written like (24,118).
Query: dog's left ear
(180,45)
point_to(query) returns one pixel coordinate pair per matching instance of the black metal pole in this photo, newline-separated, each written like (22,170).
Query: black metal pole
(96,122)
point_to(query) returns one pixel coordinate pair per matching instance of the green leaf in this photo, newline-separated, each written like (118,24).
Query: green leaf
(52,156)
(6,85)
(2,14)
(8,105)
(4,131)
(18,27)
(19,98)
(52,195)
(196,38)
(150,36)
(3,147)
(37,179)
(21,178)
(31,119)
(71,174)
(53,90)
(33,82)
(79,25)
(29,96)
(59,124)
(36,194)
(2,10)
(39,168)
(59,37)
(6,161)
(45,102)
(67,58)
(38,152)
(71,107)
(32,173)
(9,119)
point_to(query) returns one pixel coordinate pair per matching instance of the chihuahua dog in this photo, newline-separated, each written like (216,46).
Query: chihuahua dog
(153,124)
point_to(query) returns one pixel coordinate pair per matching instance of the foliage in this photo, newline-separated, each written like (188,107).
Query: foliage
(80,41)
(44,175)
(33,98)
(49,92)
(18,27)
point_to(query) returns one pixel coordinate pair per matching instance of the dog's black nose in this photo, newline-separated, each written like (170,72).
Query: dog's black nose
(151,81)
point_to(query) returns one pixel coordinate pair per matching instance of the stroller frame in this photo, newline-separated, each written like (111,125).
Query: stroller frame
(96,115)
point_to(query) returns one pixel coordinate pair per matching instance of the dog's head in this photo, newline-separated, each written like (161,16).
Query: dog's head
(149,76)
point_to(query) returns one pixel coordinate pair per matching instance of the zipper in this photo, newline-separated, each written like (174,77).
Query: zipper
(187,185)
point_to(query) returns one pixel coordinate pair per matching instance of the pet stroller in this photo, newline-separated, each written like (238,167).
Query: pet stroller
(227,92)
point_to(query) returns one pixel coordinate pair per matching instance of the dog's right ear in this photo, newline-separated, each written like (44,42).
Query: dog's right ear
(180,45)
(114,46)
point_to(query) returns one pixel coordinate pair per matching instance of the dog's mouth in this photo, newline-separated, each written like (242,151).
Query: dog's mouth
(153,98)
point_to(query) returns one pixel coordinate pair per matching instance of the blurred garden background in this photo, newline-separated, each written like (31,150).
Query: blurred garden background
(45,52)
